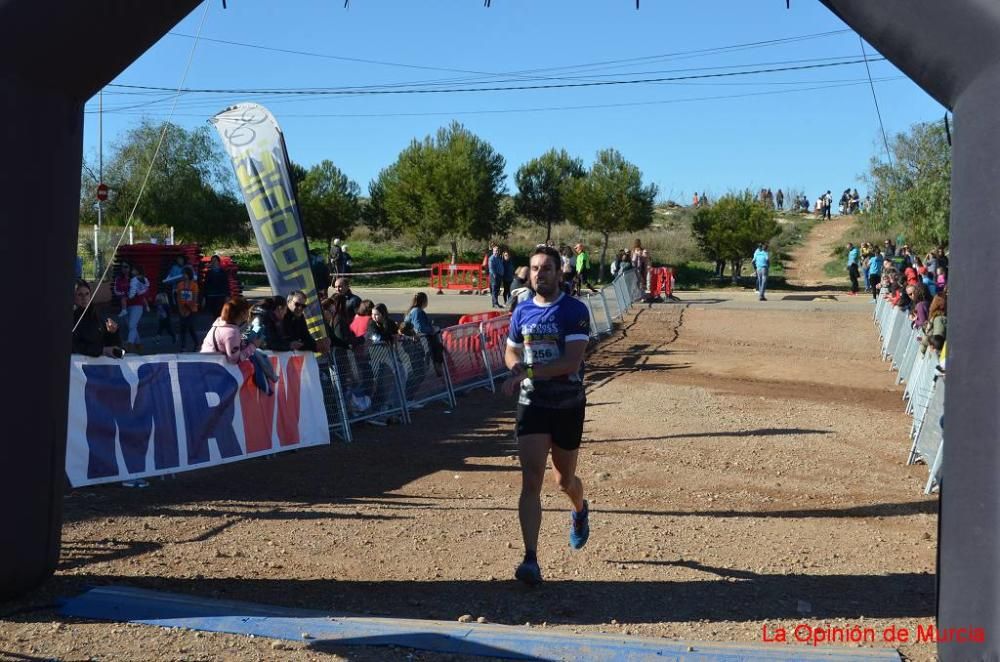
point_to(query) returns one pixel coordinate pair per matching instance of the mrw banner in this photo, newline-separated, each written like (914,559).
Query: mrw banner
(255,144)
(151,415)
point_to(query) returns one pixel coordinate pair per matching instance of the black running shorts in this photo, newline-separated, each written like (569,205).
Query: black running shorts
(564,426)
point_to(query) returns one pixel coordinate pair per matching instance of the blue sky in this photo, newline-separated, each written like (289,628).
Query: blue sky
(809,129)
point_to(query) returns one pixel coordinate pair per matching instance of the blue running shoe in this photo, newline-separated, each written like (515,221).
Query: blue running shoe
(529,573)
(579,530)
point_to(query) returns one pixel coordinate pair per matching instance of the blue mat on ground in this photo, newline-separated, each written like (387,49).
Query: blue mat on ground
(318,629)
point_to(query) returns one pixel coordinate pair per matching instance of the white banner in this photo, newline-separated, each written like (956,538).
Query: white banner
(151,415)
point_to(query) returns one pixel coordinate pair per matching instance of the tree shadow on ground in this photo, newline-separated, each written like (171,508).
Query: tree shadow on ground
(763,432)
(322,475)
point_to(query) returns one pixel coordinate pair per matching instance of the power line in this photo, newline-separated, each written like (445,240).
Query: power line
(548,86)
(695,52)
(576,107)
(294,91)
(878,112)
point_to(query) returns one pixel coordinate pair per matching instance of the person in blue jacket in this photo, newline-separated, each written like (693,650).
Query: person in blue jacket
(761,263)
(496,269)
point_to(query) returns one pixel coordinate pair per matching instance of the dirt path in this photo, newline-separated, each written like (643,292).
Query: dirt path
(809,258)
(730,460)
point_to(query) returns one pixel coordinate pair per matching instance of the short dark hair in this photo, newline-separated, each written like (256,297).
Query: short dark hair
(550,252)
(82,283)
(365,308)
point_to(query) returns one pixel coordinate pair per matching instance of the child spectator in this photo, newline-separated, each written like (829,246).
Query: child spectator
(186,295)
(267,324)
(359,325)
(120,287)
(164,325)
(136,304)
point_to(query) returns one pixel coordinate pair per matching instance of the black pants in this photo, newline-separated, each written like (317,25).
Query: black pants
(164,326)
(852,271)
(874,280)
(187,327)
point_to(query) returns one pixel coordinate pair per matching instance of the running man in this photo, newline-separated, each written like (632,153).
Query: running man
(548,337)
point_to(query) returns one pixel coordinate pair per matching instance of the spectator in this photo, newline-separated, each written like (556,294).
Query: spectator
(359,325)
(335,257)
(582,268)
(186,295)
(937,320)
(267,324)
(343,340)
(78,268)
(138,289)
(320,270)
(853,272)
(520,289)
(779,197)
(338,327)
(342,286)
(694,200)
(216,290)
(941,281)
(508,275)
(381,327)
(347,262)
(120,287)
(889,251)
(293,325)
(568,265)
(616,264)
(93,336)
(495,269)
(920,307)
(875,263)
(224,337)
(381,330)
(163,321)
(174,275)
(641,264)
(761,263)
(420,324)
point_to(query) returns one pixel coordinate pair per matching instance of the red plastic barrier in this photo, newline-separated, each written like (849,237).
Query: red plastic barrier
(464,355)
(156,260)
(495,331)
(480,317)
(462,277)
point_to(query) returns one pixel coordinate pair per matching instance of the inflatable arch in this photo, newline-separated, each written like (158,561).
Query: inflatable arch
(52,60)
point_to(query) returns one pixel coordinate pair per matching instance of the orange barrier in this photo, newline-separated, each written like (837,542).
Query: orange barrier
(661,282)
(480,317)
(463,277)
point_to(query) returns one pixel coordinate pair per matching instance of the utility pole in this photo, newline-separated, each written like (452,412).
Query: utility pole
(100,176)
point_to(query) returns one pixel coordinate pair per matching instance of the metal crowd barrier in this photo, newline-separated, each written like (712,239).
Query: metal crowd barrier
(375,381)
(465,358)
(421,382)
(923,393)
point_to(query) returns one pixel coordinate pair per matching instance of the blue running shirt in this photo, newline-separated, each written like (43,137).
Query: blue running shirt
(542,331)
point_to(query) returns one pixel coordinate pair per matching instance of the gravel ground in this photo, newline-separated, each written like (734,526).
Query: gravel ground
(744,467)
